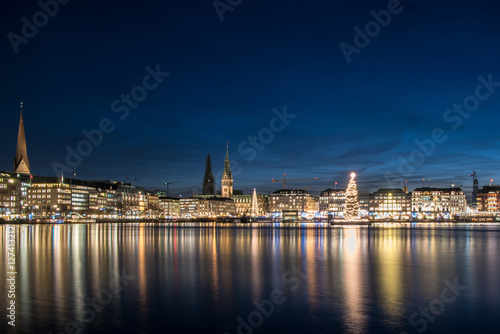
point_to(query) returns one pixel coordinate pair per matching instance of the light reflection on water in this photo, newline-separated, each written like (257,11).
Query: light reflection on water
(192,278)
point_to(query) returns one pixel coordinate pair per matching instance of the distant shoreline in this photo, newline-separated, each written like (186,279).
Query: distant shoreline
(235,222)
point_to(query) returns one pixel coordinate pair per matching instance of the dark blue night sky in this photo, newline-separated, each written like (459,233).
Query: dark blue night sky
(226,78)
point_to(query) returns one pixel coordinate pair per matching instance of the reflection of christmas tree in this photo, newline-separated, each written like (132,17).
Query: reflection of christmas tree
(352,204)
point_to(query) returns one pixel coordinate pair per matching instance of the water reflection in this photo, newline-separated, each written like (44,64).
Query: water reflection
(353,255)
(202,277)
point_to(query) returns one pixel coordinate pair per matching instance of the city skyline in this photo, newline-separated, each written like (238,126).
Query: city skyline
(390,181)
(239,77)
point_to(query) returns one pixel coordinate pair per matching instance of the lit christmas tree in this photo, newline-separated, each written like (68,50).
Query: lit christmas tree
(351,203)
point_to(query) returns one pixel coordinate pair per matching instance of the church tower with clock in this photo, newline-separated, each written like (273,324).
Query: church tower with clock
(227,177)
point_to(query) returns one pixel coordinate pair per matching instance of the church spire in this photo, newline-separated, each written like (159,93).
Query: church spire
(21,162)
(227,163)
(208,180)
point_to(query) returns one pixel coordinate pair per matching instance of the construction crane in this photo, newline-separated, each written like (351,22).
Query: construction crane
(290,180)
(169,183)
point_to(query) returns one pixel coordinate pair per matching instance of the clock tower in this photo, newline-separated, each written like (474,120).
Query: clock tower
(227,177)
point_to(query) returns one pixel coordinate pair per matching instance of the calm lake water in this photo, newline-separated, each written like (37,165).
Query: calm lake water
(167,278)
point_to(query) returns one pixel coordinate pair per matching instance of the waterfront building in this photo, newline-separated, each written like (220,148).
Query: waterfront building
(108,199)
(292,200)
(189,207)
(93,209)
(390,204)
(133,201)
(208,179)
(50,197)
(169,207)
(430,203)
(244,204)
(488,199)
(153,205)
(80,197)
(216,207)
(332,202)
(364,204)
(13,195)
(227,177)
(21,161)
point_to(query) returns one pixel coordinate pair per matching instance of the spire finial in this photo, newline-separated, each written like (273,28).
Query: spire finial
(21,105)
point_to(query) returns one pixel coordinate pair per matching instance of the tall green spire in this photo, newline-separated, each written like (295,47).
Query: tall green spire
(227,163)
(227,177)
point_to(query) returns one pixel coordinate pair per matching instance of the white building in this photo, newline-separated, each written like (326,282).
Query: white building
(292,200)
(428,202)
(332,202)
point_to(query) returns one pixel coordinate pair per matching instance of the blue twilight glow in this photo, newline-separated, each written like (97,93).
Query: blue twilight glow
(231,80)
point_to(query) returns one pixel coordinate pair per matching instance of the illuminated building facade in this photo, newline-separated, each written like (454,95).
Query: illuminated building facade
(48,197)
(243,204)
(364,204)
(81,200)
(332,202)
(291,200)
(216,207)
(189,207)
(488,199)
(108,199)
(152,205)
(390,204)
(429,202)
(169,208)
(13,195)
(133,201)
